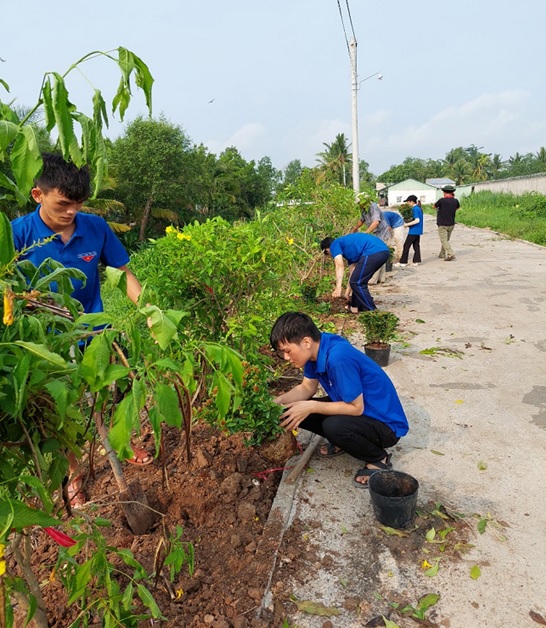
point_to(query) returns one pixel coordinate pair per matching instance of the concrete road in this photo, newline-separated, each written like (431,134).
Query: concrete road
(477,443)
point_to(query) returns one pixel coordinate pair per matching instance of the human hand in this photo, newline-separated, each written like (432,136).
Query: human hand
(295,413)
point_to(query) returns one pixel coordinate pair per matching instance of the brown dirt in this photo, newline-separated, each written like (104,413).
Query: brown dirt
(222,500)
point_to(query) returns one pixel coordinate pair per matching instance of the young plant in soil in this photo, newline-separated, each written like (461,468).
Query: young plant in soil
(379,326)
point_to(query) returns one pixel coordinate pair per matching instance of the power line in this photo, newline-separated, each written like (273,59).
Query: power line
(350,19)
(344,31)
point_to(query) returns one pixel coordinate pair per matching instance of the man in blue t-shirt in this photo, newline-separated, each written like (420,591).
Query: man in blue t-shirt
(361,415)
(365,254)
(415,231)
(82,241)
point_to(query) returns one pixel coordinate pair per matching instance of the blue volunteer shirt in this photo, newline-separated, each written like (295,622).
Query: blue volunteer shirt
(419,227)
(92,242)
(356,245)
(345,373)
(393,219)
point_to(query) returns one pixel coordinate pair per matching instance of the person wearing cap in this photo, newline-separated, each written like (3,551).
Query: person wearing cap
(415,231)
(376,225)
(365,254)
(445,219)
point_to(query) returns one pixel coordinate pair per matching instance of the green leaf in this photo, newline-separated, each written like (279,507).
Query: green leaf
(19,515)
(482,524)
(99,110)
(8,184)
(47,97)
(389,623)
(168,405)
(26,159)
(162,327)
(393,532)
(42,352)
(430,535)
(438,453)
(4,84)
(419,320)
(62,109)
(223,396)
(475,572)
(58,390)
(432,571)
(96,360)
(8,131)
(96,319)
(116,278)
(428,600)
(482,466)
(149,602)
(7,249)
(81,581)
(316,608)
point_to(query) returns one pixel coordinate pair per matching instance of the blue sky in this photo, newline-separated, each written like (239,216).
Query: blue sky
(456,72)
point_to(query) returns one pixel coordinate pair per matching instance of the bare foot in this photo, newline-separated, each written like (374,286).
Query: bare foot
(75,492)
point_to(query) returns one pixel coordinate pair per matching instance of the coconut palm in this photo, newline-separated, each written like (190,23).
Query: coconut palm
(335,162)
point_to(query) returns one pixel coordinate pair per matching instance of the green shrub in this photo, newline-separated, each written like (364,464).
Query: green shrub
(379,326)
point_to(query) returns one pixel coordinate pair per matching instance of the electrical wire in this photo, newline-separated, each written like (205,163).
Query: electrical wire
(344,31)
(350,19)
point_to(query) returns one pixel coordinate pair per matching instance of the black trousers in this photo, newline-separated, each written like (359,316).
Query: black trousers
(362,437)
(415,241)
(362,273)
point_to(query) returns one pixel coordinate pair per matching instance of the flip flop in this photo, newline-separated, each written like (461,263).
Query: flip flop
(332,451)
(141,457)
(366,472)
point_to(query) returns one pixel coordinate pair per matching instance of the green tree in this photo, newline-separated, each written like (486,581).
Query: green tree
(292,172)
(335,161)
(151,164)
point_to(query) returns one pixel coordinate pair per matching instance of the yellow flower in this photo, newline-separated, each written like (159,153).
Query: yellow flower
(2,548)
(2,567)
(170,229)
(290,241)
(8,307)
(183,236)
(295,432)
(426,565)
(179,593)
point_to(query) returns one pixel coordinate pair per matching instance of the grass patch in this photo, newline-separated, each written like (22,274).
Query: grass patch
(518,216)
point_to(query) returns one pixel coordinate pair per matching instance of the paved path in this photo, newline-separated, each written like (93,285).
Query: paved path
(486,408)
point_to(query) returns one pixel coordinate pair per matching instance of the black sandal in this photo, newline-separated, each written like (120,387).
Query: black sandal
(366,472)
(332,451)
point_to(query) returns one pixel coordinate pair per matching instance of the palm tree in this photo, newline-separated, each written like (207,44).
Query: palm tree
(336,160)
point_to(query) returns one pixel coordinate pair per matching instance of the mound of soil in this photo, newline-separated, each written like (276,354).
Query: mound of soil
(221,500)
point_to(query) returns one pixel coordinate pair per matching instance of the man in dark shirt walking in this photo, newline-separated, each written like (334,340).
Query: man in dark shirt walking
(445,219)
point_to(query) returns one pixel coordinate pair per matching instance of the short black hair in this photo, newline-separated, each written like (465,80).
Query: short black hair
(293,327)
(64,176)
(325,244)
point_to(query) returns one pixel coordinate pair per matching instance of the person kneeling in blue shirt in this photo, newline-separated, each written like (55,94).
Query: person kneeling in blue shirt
(361,415)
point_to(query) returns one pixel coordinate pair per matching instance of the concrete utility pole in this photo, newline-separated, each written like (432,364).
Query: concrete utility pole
(354,82)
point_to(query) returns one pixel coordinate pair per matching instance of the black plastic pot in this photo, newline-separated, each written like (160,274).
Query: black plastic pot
(394,498)
(380,354)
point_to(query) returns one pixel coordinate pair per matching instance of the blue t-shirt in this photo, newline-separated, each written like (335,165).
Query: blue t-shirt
(93,241)
(356,245)
(419,227)
(393,219)
(345,373)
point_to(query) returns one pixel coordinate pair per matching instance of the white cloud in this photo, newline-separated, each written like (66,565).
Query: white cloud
(496,121)
(248,139)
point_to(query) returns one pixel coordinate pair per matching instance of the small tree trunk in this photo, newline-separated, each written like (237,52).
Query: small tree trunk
(22,556)
(145,219)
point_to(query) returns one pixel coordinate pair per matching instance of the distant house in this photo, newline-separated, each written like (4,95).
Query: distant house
(427,193)
(437,183)
(399,192)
